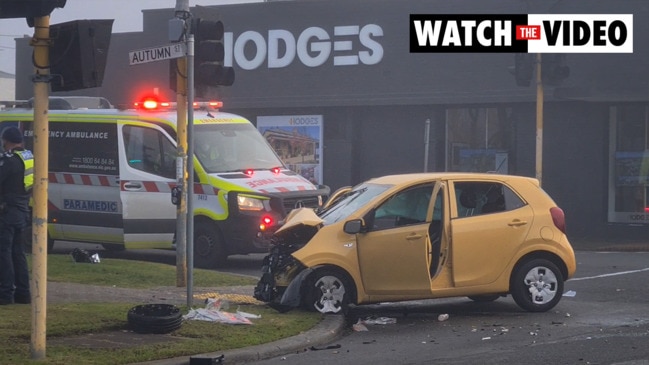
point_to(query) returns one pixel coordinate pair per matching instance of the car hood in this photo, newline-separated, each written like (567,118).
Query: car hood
(300,221)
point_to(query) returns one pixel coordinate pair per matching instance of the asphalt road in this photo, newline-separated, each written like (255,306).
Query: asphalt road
(605,322)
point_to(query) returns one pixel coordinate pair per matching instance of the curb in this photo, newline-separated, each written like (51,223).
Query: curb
(329,329)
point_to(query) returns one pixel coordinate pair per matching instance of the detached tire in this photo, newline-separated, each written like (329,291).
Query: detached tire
(537,285)
(154,318)
(209,251)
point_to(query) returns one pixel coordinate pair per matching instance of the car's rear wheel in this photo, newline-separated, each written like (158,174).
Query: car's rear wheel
(209,251)
(537,285)
(327,291)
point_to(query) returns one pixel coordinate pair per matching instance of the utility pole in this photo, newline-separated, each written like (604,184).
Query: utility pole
(41,79)
(539,120)
(182,14)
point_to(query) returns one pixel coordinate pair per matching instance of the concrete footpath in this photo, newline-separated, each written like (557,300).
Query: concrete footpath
(325,332)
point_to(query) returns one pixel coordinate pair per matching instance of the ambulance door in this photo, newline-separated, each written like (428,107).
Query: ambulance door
(147,172)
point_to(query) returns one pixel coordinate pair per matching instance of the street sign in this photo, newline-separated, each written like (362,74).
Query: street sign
(159,53)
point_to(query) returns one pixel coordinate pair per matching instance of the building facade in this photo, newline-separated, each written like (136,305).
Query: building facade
(386,110)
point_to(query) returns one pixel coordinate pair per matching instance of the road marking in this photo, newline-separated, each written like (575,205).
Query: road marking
(611,274)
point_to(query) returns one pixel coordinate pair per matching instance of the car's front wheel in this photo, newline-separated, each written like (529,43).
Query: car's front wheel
(537,285)
(327,291)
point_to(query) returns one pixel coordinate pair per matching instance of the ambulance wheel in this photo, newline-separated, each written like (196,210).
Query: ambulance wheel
(209,251)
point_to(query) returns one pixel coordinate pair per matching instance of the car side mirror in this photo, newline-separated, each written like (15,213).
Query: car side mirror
(353,227)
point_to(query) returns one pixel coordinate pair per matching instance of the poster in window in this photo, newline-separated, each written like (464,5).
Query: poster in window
(297,140)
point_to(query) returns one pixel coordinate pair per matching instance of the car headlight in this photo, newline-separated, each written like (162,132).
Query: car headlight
(250,204)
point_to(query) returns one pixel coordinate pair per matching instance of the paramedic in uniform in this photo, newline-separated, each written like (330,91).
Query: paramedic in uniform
(16,180)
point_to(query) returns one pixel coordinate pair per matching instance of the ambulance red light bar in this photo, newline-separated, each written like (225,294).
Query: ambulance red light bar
(152,104)
(208,104)
(276,170)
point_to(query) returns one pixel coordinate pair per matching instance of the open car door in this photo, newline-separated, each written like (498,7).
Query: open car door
(395,254)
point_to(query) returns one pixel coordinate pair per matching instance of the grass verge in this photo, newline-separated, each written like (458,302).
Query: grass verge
(69,324)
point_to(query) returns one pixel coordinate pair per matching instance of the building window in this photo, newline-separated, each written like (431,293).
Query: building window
(478,139)
(628,200)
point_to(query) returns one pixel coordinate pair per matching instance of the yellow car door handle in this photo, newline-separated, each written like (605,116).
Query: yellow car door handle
(414,237)
(517,223)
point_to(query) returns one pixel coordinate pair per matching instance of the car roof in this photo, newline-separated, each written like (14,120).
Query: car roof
(417,177)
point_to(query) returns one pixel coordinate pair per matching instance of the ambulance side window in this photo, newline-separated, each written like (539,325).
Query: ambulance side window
(150,151)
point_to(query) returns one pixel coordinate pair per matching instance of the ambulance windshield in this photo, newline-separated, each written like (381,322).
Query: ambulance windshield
(233,147)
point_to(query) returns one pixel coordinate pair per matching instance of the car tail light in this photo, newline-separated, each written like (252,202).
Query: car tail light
(558,218)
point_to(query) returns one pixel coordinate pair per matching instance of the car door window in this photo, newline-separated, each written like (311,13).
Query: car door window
(150,151)
(404,208)
(478,198)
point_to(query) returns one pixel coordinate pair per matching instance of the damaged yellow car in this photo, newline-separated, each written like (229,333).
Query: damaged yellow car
(422,236)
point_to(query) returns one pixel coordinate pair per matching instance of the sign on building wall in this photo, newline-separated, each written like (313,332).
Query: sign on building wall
(297,140)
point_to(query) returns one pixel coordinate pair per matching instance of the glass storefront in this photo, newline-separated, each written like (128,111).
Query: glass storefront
(628,200)
(478,139)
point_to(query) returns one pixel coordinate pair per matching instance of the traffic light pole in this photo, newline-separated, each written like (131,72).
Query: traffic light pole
(41,43)
(190,170)
(182,12)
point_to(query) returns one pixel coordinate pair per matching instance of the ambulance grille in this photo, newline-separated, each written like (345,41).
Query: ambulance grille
(302,202)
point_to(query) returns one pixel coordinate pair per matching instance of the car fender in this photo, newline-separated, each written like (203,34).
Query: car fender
(564,254)
(292,294)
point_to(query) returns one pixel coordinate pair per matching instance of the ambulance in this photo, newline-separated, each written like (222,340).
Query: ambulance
(112,173)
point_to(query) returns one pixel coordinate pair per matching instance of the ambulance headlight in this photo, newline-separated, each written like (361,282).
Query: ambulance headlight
(250,204)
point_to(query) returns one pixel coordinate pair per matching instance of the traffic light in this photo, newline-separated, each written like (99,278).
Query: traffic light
(554,69)
(28,8)
(78,53)
(524,68)
(209,70)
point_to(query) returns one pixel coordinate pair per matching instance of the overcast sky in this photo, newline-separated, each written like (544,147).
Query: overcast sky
(127,15)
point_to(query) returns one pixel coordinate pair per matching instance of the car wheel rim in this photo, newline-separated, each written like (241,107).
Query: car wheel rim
(332,292)
(203,246)
(542,284)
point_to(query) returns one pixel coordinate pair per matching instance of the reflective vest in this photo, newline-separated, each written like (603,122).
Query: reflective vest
(28,160)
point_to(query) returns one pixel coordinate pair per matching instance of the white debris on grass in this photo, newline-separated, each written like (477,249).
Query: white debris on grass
(213,313)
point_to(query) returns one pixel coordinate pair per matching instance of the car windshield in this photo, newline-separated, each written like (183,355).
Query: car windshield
(352,201)
(233,147)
